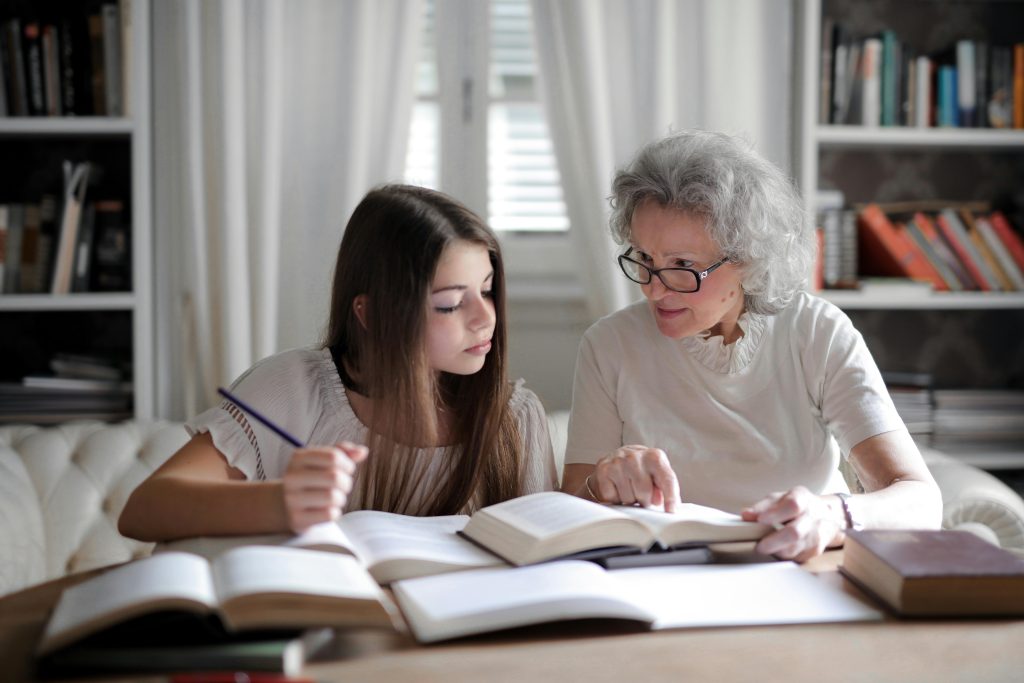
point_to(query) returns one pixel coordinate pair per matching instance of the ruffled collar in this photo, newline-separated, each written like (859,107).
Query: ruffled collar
(713,354)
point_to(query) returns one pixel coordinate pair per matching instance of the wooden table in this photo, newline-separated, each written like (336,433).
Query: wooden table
(893,650)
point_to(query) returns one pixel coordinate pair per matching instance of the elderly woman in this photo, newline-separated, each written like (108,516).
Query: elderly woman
(729,385)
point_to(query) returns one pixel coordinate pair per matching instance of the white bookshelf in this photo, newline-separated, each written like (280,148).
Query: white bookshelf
(134,130)
(819,145)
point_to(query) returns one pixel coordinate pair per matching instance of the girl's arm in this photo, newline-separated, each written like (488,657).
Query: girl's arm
(197,493)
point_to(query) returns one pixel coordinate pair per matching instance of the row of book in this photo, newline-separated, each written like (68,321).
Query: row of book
(950,247)
(79,246)
(78,387)
(879,80)
(74,63)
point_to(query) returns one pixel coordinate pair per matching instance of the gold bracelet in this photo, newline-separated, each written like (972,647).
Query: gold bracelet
(586,482)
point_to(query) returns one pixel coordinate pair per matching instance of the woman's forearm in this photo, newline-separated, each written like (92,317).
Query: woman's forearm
(171,507)
(908,504)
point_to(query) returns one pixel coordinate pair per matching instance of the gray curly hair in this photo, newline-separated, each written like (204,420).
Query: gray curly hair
(753,211)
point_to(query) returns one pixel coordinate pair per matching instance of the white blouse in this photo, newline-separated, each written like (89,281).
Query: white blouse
(775,409)
(300,390)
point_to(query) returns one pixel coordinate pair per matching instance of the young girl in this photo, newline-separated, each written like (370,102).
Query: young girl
(413,366)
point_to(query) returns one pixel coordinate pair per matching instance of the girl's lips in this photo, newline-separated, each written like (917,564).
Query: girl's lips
(480,349)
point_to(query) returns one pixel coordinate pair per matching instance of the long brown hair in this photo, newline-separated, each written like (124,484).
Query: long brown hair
(390,251)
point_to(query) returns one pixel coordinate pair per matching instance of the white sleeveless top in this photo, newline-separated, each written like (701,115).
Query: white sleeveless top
(301,391)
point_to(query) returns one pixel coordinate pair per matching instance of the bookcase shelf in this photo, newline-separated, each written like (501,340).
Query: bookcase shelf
(68,126)
(965,340)
(117,325)
(838,137)
(85,301)
(937,301)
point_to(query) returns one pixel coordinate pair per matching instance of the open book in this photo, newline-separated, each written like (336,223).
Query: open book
(455,605)
(543,526)
(388,545)
(243,589)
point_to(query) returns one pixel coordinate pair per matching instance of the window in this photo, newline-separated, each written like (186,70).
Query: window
(489,146)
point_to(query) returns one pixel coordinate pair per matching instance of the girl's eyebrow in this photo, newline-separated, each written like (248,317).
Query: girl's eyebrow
(461,288)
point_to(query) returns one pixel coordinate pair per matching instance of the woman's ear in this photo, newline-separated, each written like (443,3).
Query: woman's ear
(359,308)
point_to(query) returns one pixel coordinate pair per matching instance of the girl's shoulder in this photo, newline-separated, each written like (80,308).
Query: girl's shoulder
(302,373)
(524,403)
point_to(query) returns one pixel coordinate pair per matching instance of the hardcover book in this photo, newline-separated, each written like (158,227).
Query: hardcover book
(251,588)
(935,573)
(548,525)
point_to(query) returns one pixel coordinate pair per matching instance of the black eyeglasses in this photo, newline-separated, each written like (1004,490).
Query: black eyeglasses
(685,280)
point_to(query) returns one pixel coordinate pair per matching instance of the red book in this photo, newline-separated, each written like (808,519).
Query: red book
(884,251)
(952,238)
(1014,243)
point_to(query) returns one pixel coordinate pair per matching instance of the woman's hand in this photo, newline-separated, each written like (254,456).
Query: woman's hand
(807,523)
(318,481)
(635,474)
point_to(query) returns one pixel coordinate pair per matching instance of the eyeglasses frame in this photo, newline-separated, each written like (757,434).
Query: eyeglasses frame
(700,275)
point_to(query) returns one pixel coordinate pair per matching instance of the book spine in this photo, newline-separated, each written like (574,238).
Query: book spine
(960,243)
(99,89)
(825,72)
(1014,243)
(12,270)
(981,82)
(1000,253)
(51,70)
(3,244)
(940,247)
(871,83)
(965,87)
(83,250)
(68,89)
(1018,85)
(989,259)
(890,58)
(112,58)
(32,44)
(952,283)
(923,92)
(947,99)
(19,86)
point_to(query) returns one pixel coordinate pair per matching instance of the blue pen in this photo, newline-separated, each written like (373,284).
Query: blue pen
(259,418)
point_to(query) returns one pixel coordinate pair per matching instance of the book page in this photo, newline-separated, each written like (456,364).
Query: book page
(325,536)
(256,570)
(159,582)
(477,601)
(692,522)
(413,546)
(550,513)
(733,595)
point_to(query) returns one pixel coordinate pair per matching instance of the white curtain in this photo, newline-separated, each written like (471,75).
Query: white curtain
(618,73)
(271,120)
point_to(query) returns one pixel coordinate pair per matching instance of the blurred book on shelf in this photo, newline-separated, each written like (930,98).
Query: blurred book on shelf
(881,78)
(81,366)
(81,387)
(980,425)
(940,245)
(911,393)
(75,62)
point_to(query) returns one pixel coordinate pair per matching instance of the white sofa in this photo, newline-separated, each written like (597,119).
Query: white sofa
(62,489)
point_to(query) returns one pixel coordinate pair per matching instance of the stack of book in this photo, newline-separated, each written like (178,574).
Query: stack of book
(879,80)
(947,247)
(981,426)
(911,393)
(81,387)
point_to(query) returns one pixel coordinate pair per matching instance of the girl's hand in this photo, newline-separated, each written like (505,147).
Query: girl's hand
(807,523)
(636,474)
(318,481)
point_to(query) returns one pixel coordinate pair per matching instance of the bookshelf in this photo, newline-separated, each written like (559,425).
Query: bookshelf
(116,324)
(966,339)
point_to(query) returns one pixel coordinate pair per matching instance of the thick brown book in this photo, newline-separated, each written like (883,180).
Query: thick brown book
(935,573)
(885,251)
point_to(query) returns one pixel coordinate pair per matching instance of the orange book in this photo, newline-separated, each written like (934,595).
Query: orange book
(941,248)
(1018,85)
(986,253)
(948,230)
(884,251)
(1014,243)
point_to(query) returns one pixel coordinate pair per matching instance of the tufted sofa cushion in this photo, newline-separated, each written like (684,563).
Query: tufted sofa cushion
(62,490)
